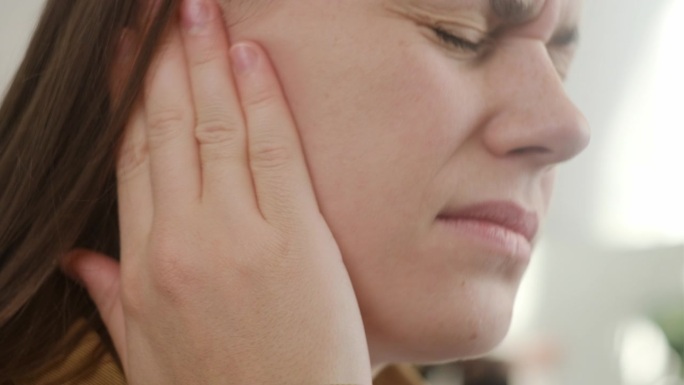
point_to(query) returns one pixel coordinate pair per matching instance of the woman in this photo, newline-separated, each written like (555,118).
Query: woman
(397,230)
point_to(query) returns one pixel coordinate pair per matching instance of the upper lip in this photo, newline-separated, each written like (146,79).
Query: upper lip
(505,214)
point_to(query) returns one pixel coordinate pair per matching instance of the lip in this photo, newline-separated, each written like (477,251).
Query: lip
(504,214)
(504,226)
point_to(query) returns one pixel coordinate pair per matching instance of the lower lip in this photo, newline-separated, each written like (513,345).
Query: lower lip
(496,238)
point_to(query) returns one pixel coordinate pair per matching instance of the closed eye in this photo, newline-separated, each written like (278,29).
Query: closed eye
(458,42)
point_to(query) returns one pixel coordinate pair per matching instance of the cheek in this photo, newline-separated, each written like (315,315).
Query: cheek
(380,120)
(375,140)
(378,109)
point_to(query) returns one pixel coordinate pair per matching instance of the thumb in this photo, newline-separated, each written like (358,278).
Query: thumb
(101,276)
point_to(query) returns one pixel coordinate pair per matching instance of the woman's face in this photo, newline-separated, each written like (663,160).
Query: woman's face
(400,128)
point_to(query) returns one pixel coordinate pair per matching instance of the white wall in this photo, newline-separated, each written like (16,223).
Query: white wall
(17,19)
(588,292)
(587,287)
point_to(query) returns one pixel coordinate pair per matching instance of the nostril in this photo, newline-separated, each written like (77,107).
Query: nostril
(530,151)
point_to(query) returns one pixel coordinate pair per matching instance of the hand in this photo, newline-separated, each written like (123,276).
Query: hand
(229,273)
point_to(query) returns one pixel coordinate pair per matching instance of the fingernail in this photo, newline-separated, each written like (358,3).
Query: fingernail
(245,58)
(196,14)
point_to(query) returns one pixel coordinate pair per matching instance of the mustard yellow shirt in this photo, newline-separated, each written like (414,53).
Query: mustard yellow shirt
(109,373)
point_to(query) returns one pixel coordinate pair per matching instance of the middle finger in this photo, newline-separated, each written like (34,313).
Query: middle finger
(174,161)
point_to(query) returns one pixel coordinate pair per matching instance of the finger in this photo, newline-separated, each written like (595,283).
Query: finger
(220,129)
(281,178)
(174,162)
(133,186)
(101,277)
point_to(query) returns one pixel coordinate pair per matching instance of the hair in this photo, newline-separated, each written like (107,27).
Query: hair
(60,132)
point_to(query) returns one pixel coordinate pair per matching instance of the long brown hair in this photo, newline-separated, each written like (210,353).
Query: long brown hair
(59,137)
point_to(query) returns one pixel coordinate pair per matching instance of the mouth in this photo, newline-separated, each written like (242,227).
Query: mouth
(503,226)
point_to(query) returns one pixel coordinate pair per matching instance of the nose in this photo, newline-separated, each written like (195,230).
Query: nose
(531,116)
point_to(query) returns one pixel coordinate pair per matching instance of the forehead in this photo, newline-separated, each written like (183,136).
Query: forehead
(510,11)
(504,11)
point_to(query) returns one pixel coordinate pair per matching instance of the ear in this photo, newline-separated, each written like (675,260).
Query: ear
(238,11)
(101,276)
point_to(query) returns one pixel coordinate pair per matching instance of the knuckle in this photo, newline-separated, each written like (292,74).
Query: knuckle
(219,131)
(205,56)
(261,99)
(269,154)
(164,124)
(131,160)
(172,271)
(173,277)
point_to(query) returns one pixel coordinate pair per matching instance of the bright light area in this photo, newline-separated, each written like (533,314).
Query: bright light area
(643,204)
(643,352)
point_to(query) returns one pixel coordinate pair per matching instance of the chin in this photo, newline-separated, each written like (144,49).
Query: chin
(445,344)
(468,323)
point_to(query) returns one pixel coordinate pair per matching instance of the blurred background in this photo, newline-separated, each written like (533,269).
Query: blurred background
(603,301)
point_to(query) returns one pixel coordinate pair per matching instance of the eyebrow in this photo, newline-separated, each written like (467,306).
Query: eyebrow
(516,11)
(513,11)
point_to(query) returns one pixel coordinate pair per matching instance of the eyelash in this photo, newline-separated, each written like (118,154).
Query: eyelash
(456,41)
(467,45)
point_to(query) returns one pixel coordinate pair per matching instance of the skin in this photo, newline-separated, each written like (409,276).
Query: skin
(397,125)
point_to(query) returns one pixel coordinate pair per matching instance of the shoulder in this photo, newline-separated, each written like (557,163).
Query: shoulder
(106,372)
(401,374)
